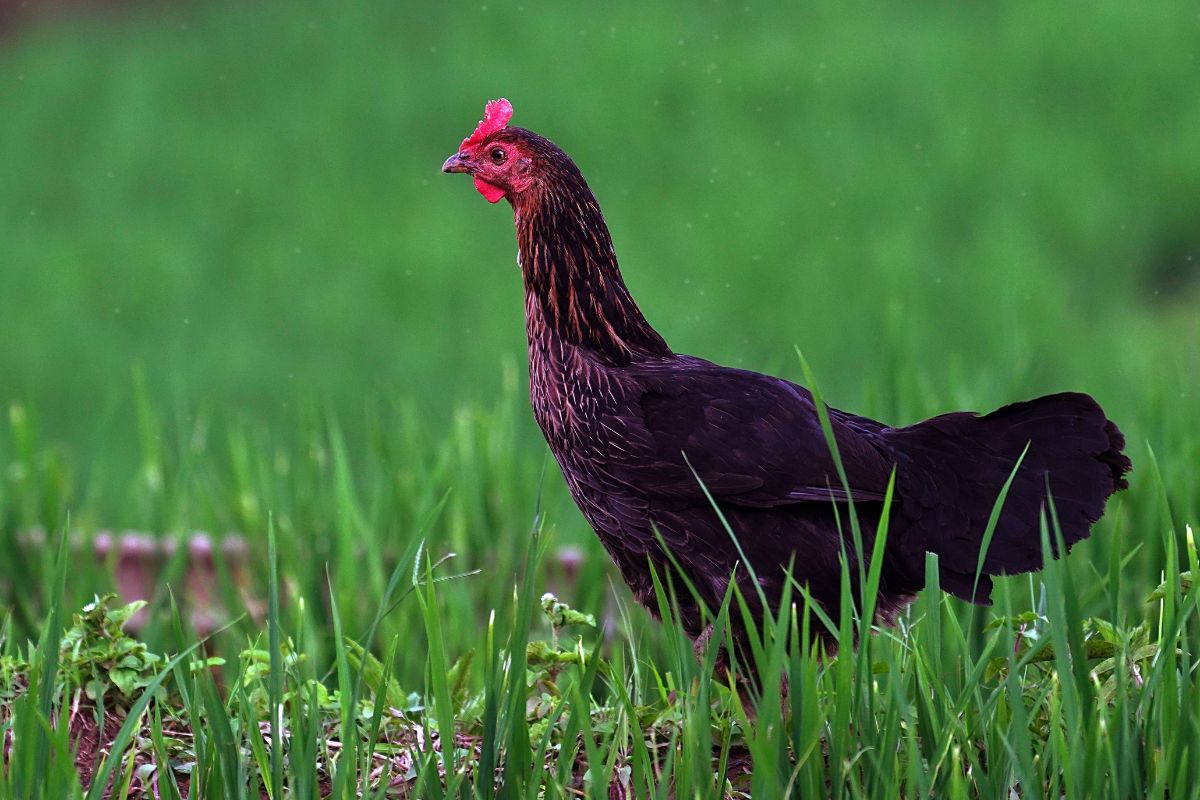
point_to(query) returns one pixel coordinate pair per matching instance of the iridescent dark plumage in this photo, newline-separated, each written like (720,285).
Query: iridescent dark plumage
(628,421)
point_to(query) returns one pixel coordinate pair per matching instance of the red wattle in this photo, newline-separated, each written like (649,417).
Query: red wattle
(491,192)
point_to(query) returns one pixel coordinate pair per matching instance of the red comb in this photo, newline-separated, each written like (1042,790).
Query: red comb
(496,115)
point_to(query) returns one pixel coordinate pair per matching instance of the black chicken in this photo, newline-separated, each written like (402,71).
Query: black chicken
(632,424)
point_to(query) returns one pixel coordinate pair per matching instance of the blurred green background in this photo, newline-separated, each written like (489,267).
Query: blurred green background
(217,214)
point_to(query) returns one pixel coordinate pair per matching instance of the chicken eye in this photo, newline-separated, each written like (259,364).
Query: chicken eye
(498,155)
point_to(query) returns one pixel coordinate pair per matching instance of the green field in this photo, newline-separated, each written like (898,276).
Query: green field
(237,295)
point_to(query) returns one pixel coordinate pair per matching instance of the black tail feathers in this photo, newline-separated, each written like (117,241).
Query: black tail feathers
(953,467)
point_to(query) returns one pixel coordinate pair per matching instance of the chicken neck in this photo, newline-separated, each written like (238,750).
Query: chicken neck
(573,287)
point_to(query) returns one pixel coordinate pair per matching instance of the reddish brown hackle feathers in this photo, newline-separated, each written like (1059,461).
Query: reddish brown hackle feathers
(496,115)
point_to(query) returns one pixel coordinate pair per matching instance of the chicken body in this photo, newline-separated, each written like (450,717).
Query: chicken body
(637,429)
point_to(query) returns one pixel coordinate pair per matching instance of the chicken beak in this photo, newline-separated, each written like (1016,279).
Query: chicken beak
(458,163)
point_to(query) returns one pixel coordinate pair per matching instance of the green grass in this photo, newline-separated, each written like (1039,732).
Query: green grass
(236,295)
(1080,681)
(953,703)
